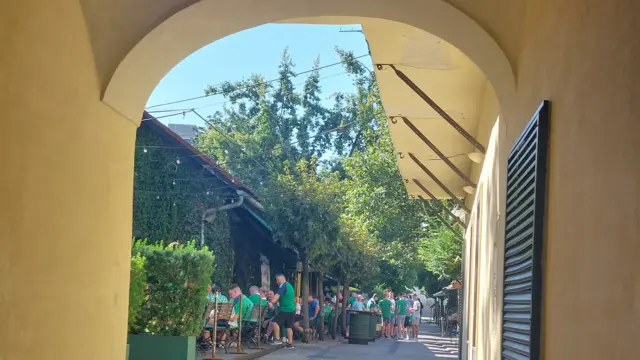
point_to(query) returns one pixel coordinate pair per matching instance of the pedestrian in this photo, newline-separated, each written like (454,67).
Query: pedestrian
(386,309)
(401,315)
(358,305)
(394,323)
(285,298)
(415,323)
(372,305)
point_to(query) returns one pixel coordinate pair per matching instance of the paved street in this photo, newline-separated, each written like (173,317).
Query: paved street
(430,346)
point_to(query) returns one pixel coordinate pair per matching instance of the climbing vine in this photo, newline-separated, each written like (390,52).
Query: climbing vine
(171,191)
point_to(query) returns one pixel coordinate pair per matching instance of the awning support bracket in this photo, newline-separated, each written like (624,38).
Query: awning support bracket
(440,183)
(438,152)
(434,106)
(440,206)
(442,220)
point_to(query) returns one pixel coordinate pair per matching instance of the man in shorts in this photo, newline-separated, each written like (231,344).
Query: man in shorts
(401,314)
(394,324)
(386,308)
(285,298)
(415,323)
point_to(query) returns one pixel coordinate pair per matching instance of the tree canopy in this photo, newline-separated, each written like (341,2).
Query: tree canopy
(329,175)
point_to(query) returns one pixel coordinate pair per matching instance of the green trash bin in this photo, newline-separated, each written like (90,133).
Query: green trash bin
(359,327)
(372,326)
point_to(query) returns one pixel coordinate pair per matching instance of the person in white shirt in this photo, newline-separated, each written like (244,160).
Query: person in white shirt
(415,322)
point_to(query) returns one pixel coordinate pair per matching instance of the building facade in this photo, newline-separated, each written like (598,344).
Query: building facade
(76,74)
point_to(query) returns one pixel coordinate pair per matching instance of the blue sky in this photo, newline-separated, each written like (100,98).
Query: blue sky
(257,50)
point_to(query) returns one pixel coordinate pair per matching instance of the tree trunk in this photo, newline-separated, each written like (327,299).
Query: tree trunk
(305,294)
(334,316)
(320,293)
(345,303)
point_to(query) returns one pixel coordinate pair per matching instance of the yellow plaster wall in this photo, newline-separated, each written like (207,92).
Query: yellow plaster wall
(66,182)
(584,55)
(66,192)
(483,254)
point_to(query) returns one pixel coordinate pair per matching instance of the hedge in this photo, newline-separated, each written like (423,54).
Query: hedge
(176,293)
(137,287)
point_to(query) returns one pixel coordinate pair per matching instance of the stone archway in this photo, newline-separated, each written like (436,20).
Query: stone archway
(197,25)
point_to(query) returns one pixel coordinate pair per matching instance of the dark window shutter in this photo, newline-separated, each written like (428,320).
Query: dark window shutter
(526,187)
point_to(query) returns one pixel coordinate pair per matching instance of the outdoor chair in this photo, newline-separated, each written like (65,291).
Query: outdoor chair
(221,317)
(203,344)
(250,331)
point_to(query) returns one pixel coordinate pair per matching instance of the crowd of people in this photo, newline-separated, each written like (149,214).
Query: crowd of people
(281,310)
(282,318)
(399,315)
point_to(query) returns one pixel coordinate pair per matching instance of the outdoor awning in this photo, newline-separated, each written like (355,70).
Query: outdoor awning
(435,139)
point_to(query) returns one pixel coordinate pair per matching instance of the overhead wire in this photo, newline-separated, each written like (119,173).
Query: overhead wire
(211,125)
(248,87)
(230,101)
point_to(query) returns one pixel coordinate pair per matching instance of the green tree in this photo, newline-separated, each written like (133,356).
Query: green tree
(329,175)
(301,209)
(441,253)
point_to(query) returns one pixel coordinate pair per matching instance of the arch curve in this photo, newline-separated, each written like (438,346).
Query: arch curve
(206,21)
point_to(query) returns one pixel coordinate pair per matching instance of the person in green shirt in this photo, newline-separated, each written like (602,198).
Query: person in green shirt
(401,314)
(328,309)
(386,307)
(256,298)
(247,306)
(353,298)
(286,317)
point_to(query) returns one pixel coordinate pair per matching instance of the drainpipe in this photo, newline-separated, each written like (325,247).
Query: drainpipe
(250,199)
(209,214)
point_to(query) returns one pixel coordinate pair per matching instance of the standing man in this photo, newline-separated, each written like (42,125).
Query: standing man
(394,323)
(386,308)
(415,324)
(285,298)
(372,305)
(352,299)
(401,314)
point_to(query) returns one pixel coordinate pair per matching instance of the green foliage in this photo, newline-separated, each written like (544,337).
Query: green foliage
(169,199)
(137,287)
(332,185)
(301,207)
(177,287)
(441,253)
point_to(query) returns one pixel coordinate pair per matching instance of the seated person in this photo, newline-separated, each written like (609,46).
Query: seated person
(236,294)
(256,297)
(272,310)
(247,306)
(213,292)
(313,310)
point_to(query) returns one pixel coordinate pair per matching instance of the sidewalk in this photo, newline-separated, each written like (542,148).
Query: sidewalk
(250,353)
(430,346)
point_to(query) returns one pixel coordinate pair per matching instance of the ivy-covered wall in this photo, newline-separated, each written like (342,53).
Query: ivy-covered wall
(171,191)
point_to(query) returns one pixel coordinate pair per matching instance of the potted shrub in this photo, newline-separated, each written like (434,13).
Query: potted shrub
(168,321)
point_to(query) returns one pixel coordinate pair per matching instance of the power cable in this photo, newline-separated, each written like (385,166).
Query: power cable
(248,87)
(206,121)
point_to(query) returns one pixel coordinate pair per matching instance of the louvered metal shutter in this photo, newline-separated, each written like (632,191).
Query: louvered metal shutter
(526,183)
